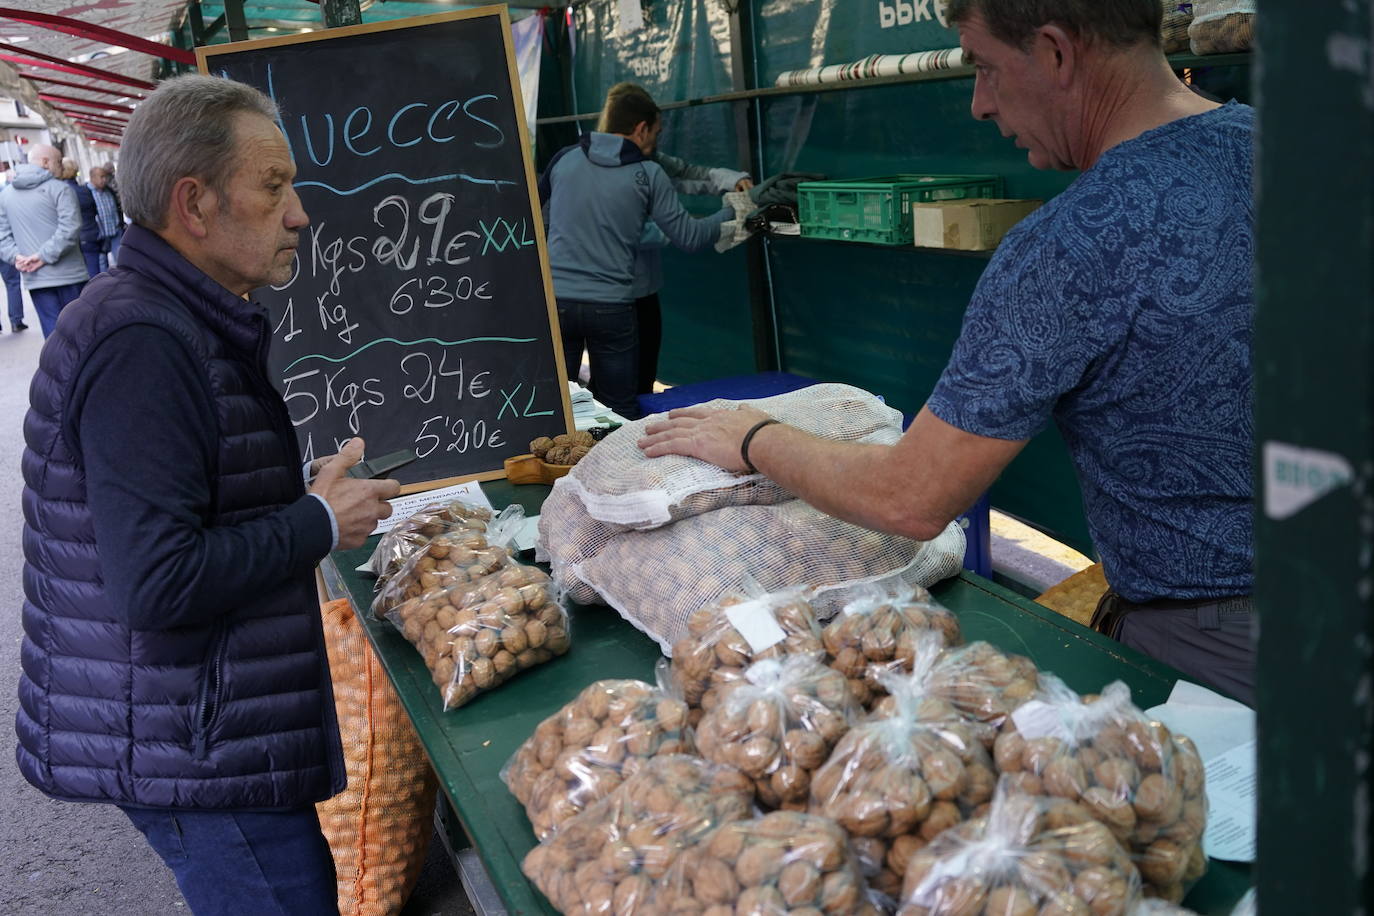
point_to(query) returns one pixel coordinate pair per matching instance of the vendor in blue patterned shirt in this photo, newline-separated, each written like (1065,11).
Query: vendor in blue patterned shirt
(1122,311)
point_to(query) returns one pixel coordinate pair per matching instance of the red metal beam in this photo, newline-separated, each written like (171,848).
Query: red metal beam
(19,55)
(122,93)
(91,117)
(91,125)
(69,26)
(95,133)
(84,103)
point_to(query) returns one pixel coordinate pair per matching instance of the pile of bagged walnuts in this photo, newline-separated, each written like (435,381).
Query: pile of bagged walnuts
(973,784)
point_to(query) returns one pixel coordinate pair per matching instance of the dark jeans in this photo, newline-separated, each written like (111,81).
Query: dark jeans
(1213,642)
(270,863)
(96,258)
(650,313)
(13,292)
(50,300)
(610,333)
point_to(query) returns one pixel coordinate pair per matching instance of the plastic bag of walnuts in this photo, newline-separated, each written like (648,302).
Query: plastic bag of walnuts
(408,536)
(981,682)
(725,638)
(477,635)
(877,634)
(895,783)
(780,863)
(1027,856)
(452,558)
(584,751)
(779,726)
(607,859)
(1132,774)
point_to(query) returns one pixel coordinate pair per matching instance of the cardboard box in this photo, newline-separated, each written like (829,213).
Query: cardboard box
(967,225)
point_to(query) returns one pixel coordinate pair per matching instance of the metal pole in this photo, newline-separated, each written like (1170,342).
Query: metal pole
(766,356)
(233,15)
(1314,431)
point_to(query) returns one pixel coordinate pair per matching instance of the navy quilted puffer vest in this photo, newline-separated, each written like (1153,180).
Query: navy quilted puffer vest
(238,714)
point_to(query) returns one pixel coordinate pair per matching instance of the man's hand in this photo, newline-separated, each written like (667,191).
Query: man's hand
(28,263)
(744,184)
(708,433)
(357,504)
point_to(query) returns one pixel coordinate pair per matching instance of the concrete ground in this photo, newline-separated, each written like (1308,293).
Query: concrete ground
(63,859)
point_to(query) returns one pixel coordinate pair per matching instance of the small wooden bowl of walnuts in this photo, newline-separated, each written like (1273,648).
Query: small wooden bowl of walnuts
(549,458)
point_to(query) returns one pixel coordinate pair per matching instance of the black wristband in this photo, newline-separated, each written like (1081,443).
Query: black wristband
(749,437)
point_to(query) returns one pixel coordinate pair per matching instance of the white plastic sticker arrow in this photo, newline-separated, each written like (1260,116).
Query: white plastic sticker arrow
(1295,477)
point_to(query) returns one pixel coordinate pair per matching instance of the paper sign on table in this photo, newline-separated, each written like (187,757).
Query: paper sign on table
(403,507)
(1224,732)
(1231,796)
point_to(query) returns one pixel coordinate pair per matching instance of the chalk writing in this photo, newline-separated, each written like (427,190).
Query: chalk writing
(417,312)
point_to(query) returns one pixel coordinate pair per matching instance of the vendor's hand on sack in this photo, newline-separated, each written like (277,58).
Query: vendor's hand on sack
(710,434)
(744,184)
(357,504)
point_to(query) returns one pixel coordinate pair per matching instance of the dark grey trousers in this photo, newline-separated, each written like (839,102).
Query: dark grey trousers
(1212,643)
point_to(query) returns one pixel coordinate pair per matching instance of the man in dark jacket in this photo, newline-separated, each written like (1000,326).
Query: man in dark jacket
(102,221)
(173,656)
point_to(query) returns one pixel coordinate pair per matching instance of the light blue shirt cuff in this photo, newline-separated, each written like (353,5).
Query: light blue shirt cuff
(333,522)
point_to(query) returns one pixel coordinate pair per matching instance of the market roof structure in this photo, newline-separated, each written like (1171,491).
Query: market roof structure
(83,66)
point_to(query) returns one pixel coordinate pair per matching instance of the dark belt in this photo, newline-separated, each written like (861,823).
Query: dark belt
(1113,610)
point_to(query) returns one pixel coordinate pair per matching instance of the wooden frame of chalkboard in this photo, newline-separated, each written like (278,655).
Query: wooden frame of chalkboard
(421,312)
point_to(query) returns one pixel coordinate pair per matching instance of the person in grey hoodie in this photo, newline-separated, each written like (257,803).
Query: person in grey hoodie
(599,194)
(40,225)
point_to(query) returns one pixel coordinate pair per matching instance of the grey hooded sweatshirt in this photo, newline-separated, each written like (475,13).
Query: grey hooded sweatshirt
(600,192)
(39,215)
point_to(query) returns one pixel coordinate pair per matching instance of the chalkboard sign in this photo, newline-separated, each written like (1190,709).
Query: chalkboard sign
(420,313)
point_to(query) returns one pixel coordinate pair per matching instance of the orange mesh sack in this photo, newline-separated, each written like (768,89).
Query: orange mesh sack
(379,827)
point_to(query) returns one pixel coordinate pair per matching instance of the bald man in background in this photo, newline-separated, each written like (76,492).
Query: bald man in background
(40,228)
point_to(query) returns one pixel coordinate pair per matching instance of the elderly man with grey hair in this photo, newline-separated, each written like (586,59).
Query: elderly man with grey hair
(40,226)
(173,656)
(1121,311)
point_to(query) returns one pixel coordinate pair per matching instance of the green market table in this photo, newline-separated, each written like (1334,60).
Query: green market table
(468,746)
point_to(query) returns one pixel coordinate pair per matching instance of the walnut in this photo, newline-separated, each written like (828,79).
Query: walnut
(540,447)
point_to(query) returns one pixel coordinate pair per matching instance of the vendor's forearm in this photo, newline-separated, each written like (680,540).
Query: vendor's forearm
(914,488)
(852,481)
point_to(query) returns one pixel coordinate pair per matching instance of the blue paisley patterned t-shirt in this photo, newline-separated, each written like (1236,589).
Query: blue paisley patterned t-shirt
(1123,310)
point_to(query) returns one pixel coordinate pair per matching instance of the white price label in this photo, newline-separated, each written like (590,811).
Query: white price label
(1037,719)
(755,622)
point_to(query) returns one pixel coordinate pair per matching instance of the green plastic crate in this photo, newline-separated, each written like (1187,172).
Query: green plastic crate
(878,210)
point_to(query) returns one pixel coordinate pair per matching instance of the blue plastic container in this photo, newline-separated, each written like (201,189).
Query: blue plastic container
(977,527)
(736,388)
